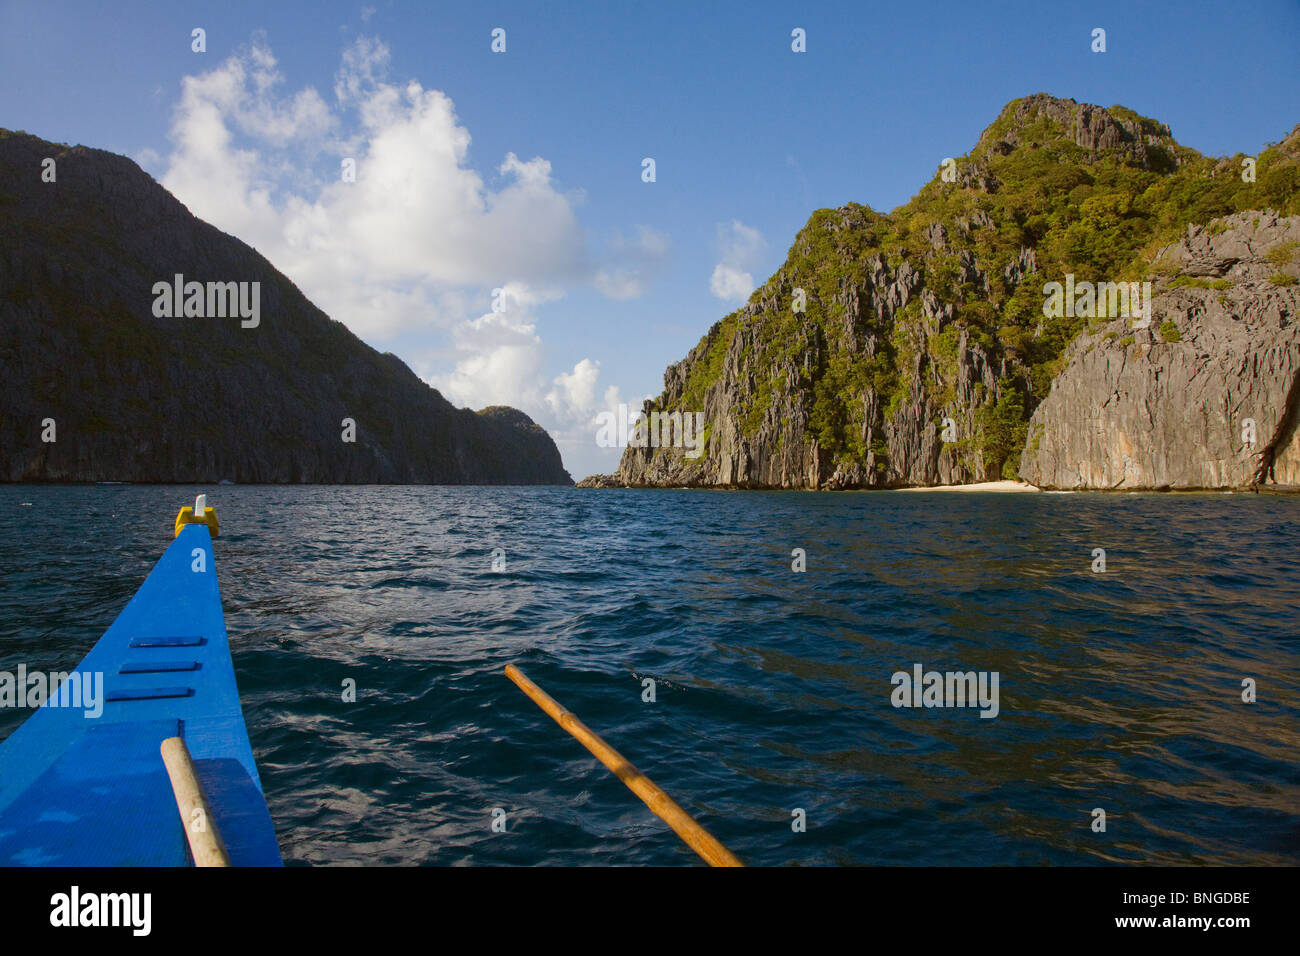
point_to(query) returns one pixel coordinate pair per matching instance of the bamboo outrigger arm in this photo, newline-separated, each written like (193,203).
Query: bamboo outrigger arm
(663,806)
(200,828)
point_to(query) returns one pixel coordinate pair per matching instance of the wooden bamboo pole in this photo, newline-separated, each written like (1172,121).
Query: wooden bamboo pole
(663,806)
(204,838)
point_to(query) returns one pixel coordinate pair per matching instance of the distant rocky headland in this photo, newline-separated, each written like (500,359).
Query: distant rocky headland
(138,343)
(1079,303)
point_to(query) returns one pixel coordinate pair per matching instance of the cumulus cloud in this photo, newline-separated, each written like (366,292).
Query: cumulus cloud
(499,360)
(740,250)
(574,400)
(730,284)
(376,253)
(574,393)
(419,240)
(499,356)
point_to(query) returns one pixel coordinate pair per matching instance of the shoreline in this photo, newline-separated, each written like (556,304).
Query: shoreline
(604,482)
(1003,487)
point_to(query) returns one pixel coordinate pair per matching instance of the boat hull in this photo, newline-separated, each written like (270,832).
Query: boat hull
(79,789)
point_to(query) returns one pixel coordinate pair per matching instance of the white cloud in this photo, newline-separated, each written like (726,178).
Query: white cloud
(377,253)
(740,250)
(576,404)
(574,394)
(730,284)
(499,360)
(499,356)
(365,64)
(418,242)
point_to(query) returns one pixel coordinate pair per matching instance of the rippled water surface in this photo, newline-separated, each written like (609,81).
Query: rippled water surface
(1120,690)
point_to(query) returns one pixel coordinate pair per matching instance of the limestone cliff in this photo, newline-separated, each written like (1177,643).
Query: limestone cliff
(912,348)
(1206,396)
(135,397)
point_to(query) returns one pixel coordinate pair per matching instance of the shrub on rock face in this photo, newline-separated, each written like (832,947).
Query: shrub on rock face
(1003,428)
(1169,332)
(1283,253)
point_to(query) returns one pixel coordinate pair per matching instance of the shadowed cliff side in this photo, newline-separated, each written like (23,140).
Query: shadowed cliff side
(135,397)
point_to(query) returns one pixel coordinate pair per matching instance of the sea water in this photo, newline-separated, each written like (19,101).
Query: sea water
(370,627)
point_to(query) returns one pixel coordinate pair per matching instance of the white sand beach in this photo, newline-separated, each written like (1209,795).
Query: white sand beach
(1002,486)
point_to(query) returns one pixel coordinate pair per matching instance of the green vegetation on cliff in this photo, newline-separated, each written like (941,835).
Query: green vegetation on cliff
(915,305)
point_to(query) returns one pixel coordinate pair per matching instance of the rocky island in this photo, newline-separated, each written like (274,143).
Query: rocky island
(917,348)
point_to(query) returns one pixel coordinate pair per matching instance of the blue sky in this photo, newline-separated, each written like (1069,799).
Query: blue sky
(609,279)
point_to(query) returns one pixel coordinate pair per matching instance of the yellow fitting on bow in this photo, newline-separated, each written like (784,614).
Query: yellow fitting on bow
(199,514)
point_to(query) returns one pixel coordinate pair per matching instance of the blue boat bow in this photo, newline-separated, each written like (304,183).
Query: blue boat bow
(84,789)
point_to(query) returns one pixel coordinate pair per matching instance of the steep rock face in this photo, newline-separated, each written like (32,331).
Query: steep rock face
(752,445)
(135,397)
(911,348)
(1142,408)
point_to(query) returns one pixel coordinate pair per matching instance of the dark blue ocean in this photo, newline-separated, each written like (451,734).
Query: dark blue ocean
(1119,690)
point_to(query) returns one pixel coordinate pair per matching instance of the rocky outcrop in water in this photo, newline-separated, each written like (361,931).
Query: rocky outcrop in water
(131,396)
(777,450)
(913,349)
